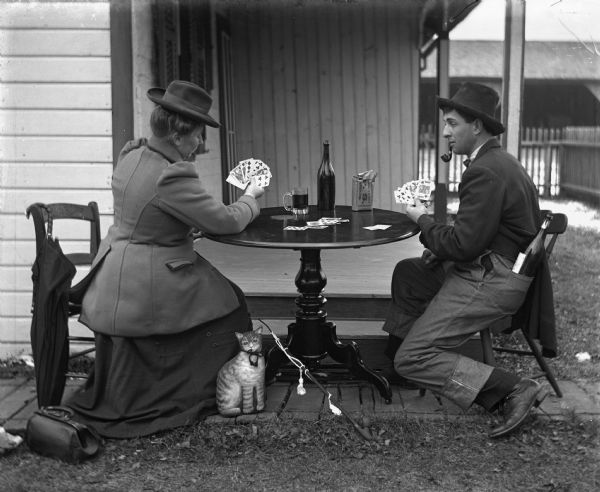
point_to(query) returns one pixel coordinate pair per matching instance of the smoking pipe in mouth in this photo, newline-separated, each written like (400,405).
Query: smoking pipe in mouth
(447,156)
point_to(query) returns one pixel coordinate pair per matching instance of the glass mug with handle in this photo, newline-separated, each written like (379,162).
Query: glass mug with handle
(296,201)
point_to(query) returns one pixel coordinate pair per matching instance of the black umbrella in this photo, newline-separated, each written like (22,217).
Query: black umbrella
(52,274)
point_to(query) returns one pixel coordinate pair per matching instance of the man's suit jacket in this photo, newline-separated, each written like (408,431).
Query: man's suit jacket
(498,211)
(148,280)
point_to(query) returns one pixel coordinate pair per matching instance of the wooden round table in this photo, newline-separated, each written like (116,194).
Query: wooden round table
(311,338)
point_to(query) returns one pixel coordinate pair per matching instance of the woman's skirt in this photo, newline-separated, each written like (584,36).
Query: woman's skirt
(140,386)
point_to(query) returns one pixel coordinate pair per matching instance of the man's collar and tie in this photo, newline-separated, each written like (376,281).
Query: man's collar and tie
(472,156)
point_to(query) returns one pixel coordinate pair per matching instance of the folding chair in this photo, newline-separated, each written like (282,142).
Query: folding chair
(557,226)
(45,315)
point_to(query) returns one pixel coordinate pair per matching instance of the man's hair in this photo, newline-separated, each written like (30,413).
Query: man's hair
(164,123)
(469,118)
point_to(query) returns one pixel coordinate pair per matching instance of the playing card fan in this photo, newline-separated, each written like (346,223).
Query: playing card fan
(420,189)
(247,170)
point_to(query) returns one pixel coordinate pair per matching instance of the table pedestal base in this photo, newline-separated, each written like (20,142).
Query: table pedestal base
(311,338)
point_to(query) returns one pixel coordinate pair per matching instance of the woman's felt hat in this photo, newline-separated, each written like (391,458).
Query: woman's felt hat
(476,100)
(186,99)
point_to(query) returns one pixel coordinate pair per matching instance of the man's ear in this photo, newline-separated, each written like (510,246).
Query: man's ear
(477,126)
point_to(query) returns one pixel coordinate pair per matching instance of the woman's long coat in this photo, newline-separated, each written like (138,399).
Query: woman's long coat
(148,279)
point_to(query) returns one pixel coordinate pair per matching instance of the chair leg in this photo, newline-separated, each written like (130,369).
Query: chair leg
(537,353)
(486,347)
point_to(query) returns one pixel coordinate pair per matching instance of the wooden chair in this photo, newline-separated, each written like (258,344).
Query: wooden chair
(557,226)
(44,216)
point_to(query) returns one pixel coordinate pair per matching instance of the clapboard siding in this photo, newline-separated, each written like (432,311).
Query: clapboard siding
(55,135)
(347,73)
(31,175)
(55,122)
(16,201)
(56,149)
(56,69)
(53,42)
(91,14)
(88,96)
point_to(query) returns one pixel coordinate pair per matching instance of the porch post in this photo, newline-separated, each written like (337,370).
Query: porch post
(442,168)
(512,80)
(121,65)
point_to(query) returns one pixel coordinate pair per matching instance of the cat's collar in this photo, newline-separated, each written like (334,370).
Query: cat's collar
(253,356)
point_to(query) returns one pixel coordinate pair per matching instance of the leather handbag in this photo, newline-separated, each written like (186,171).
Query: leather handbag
(51,431)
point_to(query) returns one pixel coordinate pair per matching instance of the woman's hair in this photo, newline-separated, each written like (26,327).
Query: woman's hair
(165,123)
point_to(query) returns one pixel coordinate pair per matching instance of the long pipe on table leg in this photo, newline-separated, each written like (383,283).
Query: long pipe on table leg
(363,431)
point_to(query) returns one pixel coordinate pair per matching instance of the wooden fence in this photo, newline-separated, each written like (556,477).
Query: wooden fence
(559,160)
(579,172)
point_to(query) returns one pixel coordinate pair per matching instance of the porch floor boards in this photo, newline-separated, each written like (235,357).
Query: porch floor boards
(353,272)
(18,402)
(357,290)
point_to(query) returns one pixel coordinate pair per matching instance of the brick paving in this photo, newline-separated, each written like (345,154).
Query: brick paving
(18,402)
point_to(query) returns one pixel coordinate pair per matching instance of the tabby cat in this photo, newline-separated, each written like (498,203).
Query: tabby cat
(241,380)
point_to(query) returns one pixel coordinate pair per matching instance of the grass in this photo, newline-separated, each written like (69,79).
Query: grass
(576,280)
(575,269)
(327,455)
(409,454)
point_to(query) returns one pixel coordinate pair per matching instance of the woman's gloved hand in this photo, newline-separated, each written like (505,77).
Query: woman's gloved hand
(254,190)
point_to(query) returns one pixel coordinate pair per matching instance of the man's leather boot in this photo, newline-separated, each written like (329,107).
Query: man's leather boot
(526,394)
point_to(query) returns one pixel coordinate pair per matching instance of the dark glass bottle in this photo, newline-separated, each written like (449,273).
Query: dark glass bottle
(528,261)
(326,182)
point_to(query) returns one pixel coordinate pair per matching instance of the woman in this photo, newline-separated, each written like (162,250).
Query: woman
(163,316)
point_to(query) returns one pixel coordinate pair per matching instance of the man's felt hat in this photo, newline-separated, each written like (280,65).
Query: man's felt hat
(186,99)
(476,100)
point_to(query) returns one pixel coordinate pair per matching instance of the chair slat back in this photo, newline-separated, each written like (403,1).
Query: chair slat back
(45,213)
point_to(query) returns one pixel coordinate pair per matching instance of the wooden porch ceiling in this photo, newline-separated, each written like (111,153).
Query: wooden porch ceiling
(441,16)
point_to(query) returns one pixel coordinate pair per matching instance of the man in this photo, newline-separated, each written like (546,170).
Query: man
(464,280)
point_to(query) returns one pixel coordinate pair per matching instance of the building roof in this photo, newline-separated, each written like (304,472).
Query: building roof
(558,60)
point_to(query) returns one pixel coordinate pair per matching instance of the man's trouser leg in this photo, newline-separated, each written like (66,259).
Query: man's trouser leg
(413,286)
(470,299)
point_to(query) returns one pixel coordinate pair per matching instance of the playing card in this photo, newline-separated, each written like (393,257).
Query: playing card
(295,228)
(261,180)
(326,221)
(253,166)
(424,190)
(378,227)
(236,177)
(249,169)
(332,220)
(403,195)
(421,189)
